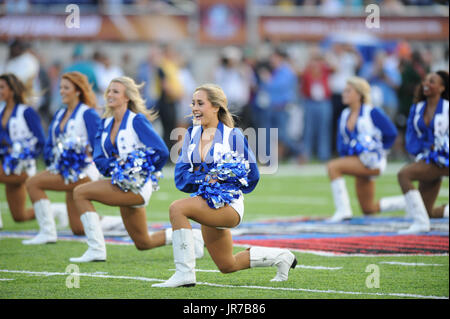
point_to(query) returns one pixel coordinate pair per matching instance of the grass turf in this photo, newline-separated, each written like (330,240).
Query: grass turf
(129,273)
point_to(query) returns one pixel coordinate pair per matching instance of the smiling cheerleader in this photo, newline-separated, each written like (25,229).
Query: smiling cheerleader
(218,168)
(21,141)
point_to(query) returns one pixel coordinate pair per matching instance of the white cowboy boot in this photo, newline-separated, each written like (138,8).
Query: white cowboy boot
(341,201)
(1,222)
(109,223)
(199,244)
(47,228)
(416,208)
(283,259)
(184,258)
(95,240)
(392,204)
(446,211)
(59,211)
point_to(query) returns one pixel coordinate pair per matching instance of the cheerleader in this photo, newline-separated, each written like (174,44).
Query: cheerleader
(365,135)
(125,129)
(427,139)
(202,149)
(75,125)
(21,141)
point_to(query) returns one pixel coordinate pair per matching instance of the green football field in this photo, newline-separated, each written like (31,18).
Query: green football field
(45,271)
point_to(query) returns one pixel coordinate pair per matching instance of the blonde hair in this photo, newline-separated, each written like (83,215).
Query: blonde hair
(362,87)
(136,103)
(218,99)
(81,83)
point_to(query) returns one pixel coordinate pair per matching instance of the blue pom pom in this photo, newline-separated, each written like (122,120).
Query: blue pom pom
(69,158)
(20,156)
(438,154)
(224,180)
(132,171)
(368,149)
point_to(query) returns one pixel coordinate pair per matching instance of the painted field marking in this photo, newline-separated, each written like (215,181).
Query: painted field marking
(406,295)
(408,264)
(6,279)
(298,266)
(318,267)
(201,270)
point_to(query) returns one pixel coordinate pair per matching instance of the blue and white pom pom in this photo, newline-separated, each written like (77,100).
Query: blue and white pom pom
(368,149)
(20,157)
(70,158)
(439,154)
(224,180)
(132,171)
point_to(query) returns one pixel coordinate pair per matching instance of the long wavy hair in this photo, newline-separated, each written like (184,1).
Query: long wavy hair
(20,93)
(218,99)
(136,103)
(87,95)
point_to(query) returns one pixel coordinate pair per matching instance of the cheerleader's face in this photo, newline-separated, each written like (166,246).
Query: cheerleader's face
(5,91)
(432,85)
(350,96)
(203,111)
(115,95)
(68,92)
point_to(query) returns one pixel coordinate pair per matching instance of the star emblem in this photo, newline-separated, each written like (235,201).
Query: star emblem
(183,246)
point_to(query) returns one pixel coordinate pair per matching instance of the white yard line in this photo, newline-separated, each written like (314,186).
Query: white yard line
(406,295)
(408,264)
(318,267)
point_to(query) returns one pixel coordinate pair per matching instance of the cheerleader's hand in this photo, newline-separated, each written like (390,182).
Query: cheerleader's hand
(212,179)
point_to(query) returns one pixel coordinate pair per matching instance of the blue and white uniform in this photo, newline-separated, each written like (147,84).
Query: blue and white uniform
(83,124)
(226,139)
(373,135)
(135,132)
(428,142)
(23,125)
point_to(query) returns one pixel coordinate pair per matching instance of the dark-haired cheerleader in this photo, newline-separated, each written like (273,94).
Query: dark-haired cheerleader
(428,140)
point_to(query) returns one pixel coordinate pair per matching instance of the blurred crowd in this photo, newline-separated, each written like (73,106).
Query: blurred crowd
(114,6)
(265,89)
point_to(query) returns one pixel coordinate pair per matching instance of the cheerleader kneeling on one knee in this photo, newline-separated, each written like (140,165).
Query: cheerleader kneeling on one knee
(129,153)
(68,157)
(427,139)
(21,142)
(217,167)
(365,135)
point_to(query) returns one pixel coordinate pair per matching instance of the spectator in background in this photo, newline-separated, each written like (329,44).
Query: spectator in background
(345,61)
(16,6)
(318,108)
(84,66)
(278,90)
(54,72)
(230,76)
(105,71)
(384,78)
(184,104)
(412,70)
(146,73)
(44,96)
(129,69)
(169,91)
(22,63)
